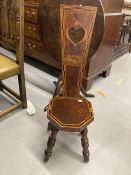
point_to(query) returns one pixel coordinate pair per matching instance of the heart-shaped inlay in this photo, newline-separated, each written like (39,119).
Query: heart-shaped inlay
(76,34)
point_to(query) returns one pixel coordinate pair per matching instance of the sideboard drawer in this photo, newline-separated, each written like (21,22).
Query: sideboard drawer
(32,31)
(33,46)
(31,14)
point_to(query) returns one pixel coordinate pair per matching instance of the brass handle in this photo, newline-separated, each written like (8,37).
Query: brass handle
(31,46)
(33,13)
(30,14)
(34,29)
(17,38)
(34,46)
(29,28)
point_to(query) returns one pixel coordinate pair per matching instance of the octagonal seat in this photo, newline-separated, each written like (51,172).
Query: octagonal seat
(70,113)
(8,67)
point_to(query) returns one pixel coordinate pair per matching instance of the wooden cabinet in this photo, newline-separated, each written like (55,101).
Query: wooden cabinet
(31,12)
(34,46)
(42,32)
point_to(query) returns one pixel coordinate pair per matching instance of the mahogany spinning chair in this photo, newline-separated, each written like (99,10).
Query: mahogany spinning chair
(10,67)
(69,111)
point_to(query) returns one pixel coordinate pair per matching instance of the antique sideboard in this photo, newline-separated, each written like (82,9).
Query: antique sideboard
(42,32)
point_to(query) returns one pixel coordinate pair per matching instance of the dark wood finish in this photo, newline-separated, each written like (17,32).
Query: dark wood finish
(69,111)
(9,67)
(112,6)
(50,143)
(105,34)
(50,25)
(34,46)
(85,144)
(72,75)
(49,125)
(42,32)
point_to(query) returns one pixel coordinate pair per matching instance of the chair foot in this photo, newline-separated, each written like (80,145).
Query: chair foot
(85,145)
(22,89)
(49,126)
(50,143)
(24,105)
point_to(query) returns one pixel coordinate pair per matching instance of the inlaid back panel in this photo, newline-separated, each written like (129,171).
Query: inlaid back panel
(77,24)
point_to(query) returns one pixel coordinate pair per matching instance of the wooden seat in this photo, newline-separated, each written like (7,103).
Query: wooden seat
(69,111)
(10,67)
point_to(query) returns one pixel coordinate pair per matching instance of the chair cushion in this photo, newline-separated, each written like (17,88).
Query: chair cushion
(8,67)
(70,113)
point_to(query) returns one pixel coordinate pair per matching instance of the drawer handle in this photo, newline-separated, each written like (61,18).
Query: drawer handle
(34,29)
(33,13)
(31,46)
(29,28)
(30,14)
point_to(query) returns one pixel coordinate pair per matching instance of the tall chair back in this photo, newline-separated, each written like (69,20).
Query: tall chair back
(77,24)
(69,111)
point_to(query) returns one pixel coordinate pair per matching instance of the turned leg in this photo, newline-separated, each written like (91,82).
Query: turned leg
(50,143)
(85,145)
(49,126)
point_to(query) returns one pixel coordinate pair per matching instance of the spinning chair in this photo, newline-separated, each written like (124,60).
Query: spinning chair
(9,67)
(69,111)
